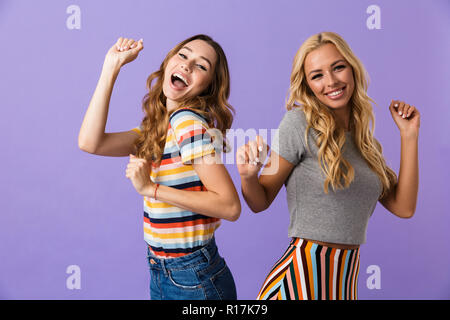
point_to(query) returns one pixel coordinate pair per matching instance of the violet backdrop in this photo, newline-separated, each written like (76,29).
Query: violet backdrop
(62,207)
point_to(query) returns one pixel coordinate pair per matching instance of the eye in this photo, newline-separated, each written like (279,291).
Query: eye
(182,55)
(316,76)
(340,67)
(201,67)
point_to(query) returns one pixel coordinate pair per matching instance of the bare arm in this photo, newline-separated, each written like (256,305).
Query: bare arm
(219,201)
(93,127)
(259,193)
(402,199)
(92,137)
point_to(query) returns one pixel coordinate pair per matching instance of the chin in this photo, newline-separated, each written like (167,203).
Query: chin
(171,95)
(337,106)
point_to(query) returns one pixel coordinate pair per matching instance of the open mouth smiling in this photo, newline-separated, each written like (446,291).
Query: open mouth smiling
(179,81)
(335,93)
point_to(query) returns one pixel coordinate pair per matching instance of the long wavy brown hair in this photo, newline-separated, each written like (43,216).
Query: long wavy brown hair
(212,104)
(331,138)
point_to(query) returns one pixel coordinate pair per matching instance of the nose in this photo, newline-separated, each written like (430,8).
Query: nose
(331,80)
(186,66)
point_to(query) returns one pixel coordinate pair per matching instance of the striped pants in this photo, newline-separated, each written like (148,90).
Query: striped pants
(309,271)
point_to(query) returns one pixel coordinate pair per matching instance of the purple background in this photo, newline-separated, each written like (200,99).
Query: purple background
(61,206)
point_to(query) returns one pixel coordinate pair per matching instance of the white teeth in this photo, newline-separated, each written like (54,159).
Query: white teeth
(335,93)
(179,76)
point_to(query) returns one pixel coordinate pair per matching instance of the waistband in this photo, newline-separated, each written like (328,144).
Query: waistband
(300,242)
(204,254)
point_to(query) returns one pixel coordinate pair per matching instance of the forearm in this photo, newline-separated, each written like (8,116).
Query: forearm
(94,122)
(208,203)
(408,178)
(254,194)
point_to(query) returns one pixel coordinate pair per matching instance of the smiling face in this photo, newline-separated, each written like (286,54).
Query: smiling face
(189,72)
(329,76)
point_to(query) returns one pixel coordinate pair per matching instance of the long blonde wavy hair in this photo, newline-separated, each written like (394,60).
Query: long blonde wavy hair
(331,138)
(212,104)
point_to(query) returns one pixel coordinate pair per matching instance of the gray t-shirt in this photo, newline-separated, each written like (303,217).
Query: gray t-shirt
(336,217)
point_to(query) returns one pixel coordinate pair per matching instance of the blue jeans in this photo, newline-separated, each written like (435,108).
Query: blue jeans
(201,275)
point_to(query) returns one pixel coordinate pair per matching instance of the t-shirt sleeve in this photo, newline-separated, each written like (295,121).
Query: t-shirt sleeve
(191,134)
(288,140)
(137,129)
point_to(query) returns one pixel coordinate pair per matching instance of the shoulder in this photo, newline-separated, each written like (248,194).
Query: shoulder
(294,119)
(186,114)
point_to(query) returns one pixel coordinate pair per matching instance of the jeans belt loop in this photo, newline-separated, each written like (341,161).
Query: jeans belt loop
(206,253)
(163,265)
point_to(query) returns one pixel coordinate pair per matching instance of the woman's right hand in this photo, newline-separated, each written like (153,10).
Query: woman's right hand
(123,51)
(251,157)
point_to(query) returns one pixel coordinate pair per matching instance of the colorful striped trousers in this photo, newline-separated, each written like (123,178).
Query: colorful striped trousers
(309,271)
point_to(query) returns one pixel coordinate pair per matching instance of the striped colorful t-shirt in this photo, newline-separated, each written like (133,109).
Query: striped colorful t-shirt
(170,231)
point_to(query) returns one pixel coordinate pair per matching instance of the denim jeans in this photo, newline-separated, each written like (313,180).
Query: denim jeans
(201,275)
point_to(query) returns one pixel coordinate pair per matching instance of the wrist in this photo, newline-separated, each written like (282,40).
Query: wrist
(155,190)
(405,135)
(149,191)
(111,67)
(249,180)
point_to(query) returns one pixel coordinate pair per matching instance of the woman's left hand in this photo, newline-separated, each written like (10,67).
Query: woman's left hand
(406,117)
(138,171)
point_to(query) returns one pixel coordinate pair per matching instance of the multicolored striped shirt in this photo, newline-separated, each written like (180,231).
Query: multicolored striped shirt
(170,231)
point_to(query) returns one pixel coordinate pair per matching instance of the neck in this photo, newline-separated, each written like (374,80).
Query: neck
(171,105)
(342,117)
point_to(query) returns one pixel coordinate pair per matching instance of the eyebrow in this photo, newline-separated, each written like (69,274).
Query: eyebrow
(317,70)
(204,58)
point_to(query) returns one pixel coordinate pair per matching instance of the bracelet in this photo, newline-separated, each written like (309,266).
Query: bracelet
(156,188)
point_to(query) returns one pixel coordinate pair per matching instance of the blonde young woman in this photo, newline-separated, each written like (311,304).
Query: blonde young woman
(334,171)
(173,163)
